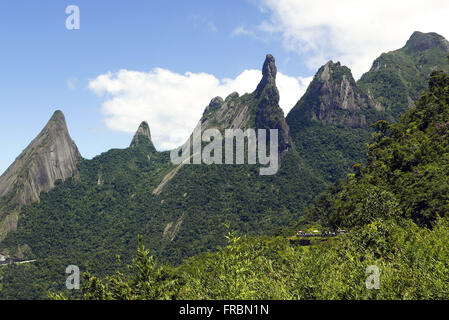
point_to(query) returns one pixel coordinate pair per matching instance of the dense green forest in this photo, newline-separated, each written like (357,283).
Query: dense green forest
(412,263)
(83,223)
(406,173)
(395,208)
(394,201)
(89,219)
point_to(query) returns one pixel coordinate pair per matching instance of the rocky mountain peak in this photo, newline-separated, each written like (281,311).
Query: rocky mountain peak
(420,41)
(269,72)
(142,135)
(213,106)
(405,72)
(51,156)
(259,109)
(58,115)
(269,115)
(327,70)
(269,69)
(333,97)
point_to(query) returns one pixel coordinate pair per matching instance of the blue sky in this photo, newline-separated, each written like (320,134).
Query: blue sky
(45,67)
(40,56)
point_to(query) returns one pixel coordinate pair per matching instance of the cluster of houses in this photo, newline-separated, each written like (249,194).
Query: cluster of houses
(316,233)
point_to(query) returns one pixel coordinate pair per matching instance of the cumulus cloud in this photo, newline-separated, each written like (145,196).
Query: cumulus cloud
(352,31)
(172,103)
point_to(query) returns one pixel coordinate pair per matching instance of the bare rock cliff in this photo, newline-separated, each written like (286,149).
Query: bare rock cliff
(142,136)
(259,109)
(51,156)
(333,97)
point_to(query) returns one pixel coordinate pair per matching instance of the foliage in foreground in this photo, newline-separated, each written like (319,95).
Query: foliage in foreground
(413,264)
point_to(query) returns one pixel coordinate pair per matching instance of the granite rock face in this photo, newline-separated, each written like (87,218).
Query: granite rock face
(231,113)
(269,72)
(259,109)
(332,121)
(142,136)
(269,114)
(52,155)
(333,97)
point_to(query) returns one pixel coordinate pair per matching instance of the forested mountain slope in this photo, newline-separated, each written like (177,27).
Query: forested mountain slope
(398,78)
(407,172)
(51,156)
(331,123)
(93,213)
(180,210)
(396,208)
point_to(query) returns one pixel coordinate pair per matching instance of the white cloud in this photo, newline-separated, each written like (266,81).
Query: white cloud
(354,32)
(291,90)
(173,103)
(241,30)
(72,83)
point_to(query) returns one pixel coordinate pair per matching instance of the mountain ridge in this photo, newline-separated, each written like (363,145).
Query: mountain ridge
(258,110)
(331,123)
(397,78)
(49,157)
(99,212)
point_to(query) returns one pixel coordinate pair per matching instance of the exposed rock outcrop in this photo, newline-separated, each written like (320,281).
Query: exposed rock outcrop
(172,229)
(258,110)
(269,72)
(231,113)
(269,115)
(333,97)
(142,136)
(51,156)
